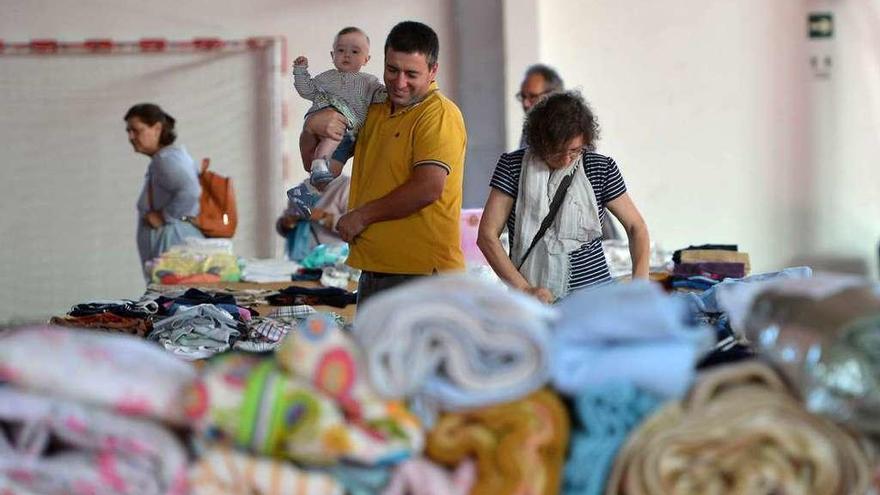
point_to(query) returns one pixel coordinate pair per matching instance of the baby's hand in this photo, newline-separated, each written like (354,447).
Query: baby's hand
(301,61)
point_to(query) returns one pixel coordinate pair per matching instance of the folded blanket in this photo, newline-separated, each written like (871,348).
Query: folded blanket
(326,356)
(222,471)
(715,256)
(454,342)
(631,332)
(269,412)
(64,447)
(519,446)
(118,372)
(740,432)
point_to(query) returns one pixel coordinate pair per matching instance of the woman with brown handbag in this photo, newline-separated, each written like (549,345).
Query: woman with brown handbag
(169,200)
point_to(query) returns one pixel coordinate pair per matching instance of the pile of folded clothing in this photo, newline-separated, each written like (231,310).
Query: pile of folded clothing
(701,267)
(197,261)
(90,412)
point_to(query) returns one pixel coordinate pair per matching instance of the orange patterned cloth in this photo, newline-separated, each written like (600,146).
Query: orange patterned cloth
(519,446)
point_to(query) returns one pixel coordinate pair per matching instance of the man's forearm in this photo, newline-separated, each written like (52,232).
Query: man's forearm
(402,202)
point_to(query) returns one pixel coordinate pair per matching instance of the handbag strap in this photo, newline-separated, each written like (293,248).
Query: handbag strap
(150,192)
(551,215)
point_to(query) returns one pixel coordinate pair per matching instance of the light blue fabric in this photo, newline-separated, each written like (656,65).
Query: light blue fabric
(361,480)
(631,332)
(606,415)
(706,301)
(300,241)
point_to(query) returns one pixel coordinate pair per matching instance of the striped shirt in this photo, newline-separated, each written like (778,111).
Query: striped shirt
(587,264)
(349,92)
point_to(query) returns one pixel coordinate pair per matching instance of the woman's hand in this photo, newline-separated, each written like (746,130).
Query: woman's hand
(543,295)
(323,217)
(301,60)
(154,219)
(287,222)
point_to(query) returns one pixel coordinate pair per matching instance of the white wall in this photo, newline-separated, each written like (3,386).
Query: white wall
(707,108)
(309,27)
(41,286)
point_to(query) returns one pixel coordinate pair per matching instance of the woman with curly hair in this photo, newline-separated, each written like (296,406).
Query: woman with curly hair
(551,256)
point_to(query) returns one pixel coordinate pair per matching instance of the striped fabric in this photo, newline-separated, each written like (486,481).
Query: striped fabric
(349,92)
(588,264)
(222,471)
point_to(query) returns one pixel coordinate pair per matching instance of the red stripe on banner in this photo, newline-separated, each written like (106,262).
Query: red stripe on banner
(2,45)
(98,45)
(44,46)
(258,43)
(153,45)
(208,43)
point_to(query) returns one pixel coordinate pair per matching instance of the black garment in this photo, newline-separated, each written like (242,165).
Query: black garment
(371,283)
(127,309)
(194,297)
(312,274)
(327,296)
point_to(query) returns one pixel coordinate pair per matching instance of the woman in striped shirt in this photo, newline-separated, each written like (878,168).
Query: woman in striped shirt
(567,254)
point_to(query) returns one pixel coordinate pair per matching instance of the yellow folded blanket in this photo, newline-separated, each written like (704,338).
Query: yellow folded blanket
(519,446)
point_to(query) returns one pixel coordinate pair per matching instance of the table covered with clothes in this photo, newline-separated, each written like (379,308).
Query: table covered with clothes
(759,384)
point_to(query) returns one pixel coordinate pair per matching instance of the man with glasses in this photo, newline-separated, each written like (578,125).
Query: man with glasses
(539,81)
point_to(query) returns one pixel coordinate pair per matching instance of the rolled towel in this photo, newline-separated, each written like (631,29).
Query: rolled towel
(740,432)
(519,446)
(454,342)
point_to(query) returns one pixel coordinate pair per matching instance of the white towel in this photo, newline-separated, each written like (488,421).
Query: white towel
(576,223)
(454,342)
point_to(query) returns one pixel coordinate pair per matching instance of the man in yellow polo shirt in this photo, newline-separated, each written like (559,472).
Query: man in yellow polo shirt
(406,183)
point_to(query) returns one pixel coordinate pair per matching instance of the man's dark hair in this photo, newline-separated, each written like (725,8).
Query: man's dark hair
(556,120)
(551,77)
(150,113)
(414,37)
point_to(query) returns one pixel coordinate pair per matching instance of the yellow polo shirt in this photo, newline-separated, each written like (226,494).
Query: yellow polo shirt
(388,147)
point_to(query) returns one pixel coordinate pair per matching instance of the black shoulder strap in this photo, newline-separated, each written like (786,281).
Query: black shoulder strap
(551,215)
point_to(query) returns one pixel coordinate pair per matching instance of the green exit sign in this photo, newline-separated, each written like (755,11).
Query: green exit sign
(821,25)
